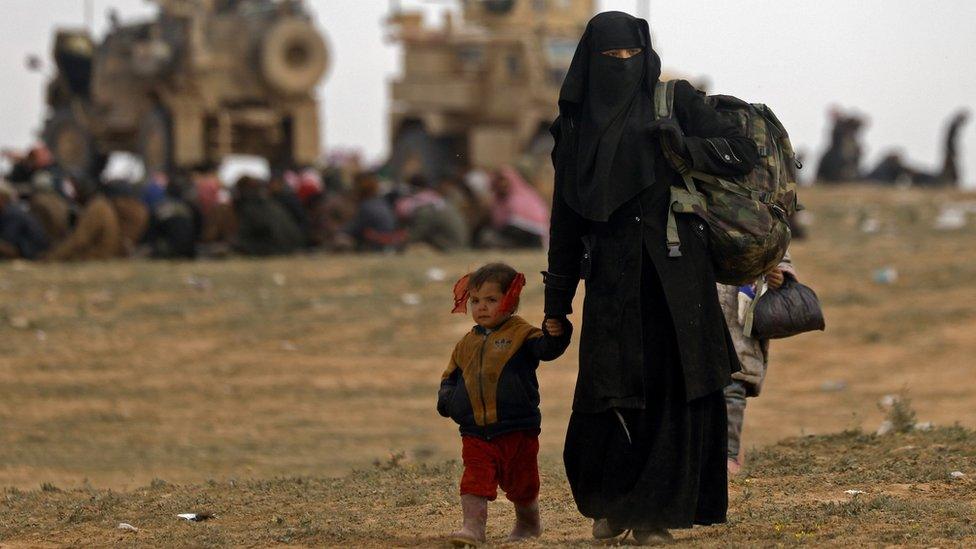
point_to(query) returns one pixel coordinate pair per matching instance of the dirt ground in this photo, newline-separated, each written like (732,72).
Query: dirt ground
(205,380)
(902,492)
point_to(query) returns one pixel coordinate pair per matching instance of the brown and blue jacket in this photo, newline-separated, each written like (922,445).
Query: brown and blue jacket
(490,386)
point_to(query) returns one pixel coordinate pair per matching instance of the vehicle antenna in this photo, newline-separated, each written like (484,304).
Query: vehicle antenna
(89,8)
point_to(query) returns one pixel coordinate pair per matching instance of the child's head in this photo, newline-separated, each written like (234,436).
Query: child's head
(487,288)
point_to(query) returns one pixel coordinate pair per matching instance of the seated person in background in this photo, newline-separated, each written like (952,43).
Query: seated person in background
(132,213)
(373,228)
(430,218)
(38,169)
(330,208)
(96,235)
(214,207)
(50,208)
(173,225)
(472,206)
(283,192)
(21,235)
(264,227)
(519,216)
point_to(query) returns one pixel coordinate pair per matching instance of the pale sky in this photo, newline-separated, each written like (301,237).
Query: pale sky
(905,64)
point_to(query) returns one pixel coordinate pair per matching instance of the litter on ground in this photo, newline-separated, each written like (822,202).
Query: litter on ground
(196,517)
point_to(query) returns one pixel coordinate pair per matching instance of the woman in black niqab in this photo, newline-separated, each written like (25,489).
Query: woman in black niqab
(646,443)
(607,98)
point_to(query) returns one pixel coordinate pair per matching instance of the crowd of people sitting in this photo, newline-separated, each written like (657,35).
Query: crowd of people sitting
(47,214)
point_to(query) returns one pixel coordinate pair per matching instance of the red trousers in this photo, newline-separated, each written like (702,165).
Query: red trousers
(509,461)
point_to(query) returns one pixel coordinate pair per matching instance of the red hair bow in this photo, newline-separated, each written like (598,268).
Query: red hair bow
(462,294)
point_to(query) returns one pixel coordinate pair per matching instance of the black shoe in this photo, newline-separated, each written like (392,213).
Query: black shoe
(603,530)
(653,537)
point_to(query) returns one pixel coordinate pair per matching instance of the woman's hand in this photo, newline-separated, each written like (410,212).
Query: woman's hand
(553,327)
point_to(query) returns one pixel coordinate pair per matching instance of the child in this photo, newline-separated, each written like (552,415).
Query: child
(490,389)
(753,356)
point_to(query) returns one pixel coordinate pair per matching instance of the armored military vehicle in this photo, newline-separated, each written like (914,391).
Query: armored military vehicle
(481,90)
(205,79)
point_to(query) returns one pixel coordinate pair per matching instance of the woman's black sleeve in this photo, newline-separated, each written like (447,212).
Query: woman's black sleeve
(566,228)
(715,145)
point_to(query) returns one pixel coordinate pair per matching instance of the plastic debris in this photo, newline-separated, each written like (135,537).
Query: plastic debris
(435,274)
(886,427)
(854,492)
(886,275)
(51,295)
(411,299)
(200,283)
(833,385)
(889,400)
(957,474)
(20,322)
(951,218)
(279,279)
(196,517)
(923,426)
(101,298)
(870,225)
(126,526)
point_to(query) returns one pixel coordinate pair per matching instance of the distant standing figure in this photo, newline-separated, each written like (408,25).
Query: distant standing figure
(841,162)
(950,162)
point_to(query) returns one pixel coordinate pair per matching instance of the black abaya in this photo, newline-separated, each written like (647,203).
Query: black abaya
(646,444)
(658,467)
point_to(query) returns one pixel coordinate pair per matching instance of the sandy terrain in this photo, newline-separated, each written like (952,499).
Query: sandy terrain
(116,374)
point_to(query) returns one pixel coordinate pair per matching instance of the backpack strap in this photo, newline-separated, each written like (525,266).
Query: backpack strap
(761,289)
(687,200)
(664,110)
(664,100)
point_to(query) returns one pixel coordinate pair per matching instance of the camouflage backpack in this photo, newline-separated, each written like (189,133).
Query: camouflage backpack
(747,215)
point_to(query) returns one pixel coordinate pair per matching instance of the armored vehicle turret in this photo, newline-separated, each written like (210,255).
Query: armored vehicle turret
(205,79)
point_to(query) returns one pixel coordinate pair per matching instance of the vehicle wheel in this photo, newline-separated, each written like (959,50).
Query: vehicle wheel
(156,141)
(416,151)
(70,143)
(293,57)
